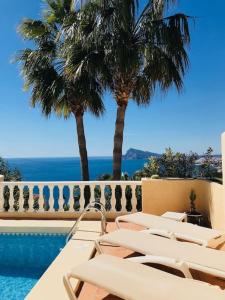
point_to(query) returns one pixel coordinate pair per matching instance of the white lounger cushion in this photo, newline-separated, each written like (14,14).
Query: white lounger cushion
(132,281)
(149,244)
(181,230)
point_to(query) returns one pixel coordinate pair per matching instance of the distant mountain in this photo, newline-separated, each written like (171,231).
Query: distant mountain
(138,154)
(132,154)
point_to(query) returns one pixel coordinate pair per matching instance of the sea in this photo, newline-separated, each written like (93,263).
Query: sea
(68,169)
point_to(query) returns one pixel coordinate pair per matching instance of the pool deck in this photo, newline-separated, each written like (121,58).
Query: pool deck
(37,226)
(79,249)
(90,292)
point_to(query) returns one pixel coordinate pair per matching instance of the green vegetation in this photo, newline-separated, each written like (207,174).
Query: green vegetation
(8,173)
(134,54)
(209,166)
(192,198)
(44,70)
(170,164)
(181,165)
(106,45)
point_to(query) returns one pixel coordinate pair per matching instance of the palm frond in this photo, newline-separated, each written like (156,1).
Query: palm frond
(45,68)
(33,29)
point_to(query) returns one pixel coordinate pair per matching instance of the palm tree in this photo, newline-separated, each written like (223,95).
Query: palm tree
(139,53)
(44,71)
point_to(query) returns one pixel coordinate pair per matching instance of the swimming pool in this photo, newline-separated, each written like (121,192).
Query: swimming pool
(23,260)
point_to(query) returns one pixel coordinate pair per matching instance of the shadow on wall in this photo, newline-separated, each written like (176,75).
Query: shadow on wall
(161,195)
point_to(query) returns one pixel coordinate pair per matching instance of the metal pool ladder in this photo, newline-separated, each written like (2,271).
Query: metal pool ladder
(93,205)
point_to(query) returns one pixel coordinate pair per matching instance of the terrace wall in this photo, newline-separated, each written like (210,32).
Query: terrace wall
(217,206)
(223,156)
(161,195)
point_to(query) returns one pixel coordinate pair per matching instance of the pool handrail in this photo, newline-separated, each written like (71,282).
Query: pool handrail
(93,205)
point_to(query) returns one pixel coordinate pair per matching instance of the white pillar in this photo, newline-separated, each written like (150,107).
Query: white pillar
(223,157)
(1,178)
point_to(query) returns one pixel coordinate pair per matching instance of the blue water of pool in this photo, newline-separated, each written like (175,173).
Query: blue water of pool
(23,260)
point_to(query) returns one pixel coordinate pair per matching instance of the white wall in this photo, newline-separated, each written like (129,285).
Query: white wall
(223,156)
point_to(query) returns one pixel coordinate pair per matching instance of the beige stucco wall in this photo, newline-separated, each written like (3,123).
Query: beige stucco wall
(161,195)
(217,206)
(223,156)
(1,178)
(217,199)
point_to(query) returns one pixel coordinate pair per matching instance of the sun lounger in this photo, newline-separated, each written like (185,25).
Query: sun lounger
(176,230)
(131,281)
(181,256)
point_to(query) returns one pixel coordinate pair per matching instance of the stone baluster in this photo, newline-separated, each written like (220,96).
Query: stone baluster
(31,197)
(61,198)
(11,197)
(134,198)
(92,188)
(82,199)
(123,198)
(21,198)
(113,197)
(71,198)
(51,197)
(102,198)
(41,200)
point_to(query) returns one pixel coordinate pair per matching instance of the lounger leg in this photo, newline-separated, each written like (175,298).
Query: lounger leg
(69,289)
(98,247)
(117,222)
(164,261)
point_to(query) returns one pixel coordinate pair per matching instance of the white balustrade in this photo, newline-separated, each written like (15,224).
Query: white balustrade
(21,199)
(71,198)
(82,198)
(113,197)
(61,198)
(51,198)
(68,196)
(11,197)
(41,199)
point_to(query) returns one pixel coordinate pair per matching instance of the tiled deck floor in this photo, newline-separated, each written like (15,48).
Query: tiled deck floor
(89,292)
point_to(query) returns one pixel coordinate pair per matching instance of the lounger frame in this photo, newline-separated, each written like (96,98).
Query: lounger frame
(168,234)
(182,266)
(147,278)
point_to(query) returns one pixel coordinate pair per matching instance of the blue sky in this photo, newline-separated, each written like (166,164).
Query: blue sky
(192,120)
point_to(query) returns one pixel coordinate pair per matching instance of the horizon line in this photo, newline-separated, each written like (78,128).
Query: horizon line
(78,157)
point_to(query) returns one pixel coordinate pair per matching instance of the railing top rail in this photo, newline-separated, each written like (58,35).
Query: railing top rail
(97,182)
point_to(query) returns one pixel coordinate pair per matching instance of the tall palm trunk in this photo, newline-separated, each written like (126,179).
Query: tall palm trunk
(118,139)
(82,146)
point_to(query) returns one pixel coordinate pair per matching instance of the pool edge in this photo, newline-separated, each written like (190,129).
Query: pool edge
(78,250)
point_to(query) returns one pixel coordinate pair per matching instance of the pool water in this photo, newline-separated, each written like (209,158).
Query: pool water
(23,260)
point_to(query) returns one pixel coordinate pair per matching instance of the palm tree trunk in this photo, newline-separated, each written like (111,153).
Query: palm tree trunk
(118,140)
(82,146)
